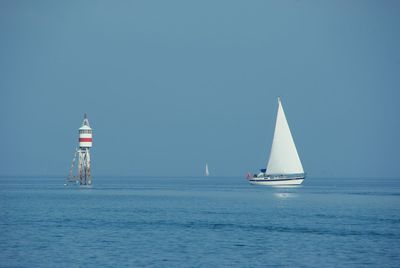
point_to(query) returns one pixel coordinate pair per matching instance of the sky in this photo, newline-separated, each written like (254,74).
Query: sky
(171,85)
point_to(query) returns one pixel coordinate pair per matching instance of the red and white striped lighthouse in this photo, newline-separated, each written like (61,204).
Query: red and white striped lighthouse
(85,143)
(85,134)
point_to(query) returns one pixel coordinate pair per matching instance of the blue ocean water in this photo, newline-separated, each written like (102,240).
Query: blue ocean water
(199,222)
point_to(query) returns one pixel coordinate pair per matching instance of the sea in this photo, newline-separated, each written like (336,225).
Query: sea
(199,222)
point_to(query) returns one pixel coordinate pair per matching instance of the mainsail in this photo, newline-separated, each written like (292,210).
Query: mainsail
(207,173)
(283,158)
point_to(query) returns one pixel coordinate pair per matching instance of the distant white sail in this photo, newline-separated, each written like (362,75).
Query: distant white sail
(207,173)
(283,158)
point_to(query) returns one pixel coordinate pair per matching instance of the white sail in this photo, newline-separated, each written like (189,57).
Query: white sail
(207,173)
(283,158)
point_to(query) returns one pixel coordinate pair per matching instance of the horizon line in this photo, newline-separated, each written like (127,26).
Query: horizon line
(188,176)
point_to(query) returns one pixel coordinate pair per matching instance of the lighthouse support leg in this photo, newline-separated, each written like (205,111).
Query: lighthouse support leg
(84,167)
(88,175)
(80,166)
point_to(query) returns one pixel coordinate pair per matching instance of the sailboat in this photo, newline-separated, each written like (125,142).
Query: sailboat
(207,173)
(284,166)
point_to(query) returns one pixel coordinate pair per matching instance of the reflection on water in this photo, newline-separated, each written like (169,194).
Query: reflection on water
(286,191)
(285,195)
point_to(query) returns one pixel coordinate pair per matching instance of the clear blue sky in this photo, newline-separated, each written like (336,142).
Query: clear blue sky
(169,85)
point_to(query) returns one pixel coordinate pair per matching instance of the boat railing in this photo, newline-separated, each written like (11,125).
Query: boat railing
(287,175)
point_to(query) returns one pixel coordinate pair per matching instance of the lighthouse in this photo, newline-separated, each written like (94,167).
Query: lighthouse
(83,154)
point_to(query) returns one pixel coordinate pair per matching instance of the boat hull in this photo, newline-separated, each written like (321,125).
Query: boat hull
(276,182)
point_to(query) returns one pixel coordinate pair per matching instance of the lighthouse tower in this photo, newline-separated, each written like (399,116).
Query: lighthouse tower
(83,154)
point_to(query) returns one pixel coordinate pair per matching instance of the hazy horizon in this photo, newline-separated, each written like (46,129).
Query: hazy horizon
(169,86)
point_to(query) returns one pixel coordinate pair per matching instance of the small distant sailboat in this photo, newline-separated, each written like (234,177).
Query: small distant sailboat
(207,173)
(284,165)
